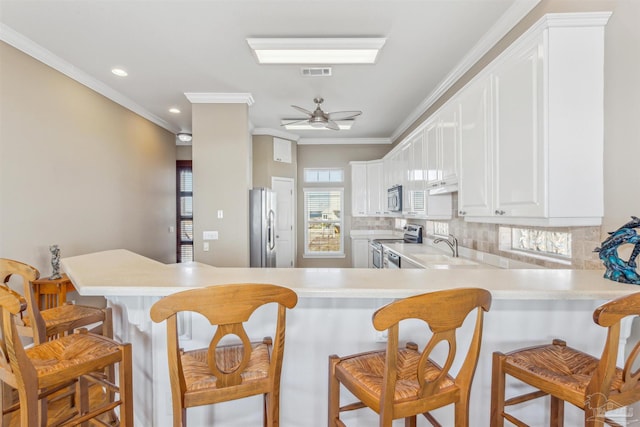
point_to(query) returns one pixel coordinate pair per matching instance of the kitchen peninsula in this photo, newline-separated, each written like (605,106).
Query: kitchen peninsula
(333,315)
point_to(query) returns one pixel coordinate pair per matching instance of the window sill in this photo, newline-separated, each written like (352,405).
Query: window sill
(323,256)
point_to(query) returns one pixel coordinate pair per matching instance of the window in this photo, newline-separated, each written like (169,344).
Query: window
(323,175)
(537,242)
(323,222)
(184,214)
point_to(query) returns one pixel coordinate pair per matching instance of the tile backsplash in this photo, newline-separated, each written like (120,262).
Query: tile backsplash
(486,238)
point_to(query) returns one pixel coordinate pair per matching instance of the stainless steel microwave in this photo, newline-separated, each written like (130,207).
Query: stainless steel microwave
(394,199)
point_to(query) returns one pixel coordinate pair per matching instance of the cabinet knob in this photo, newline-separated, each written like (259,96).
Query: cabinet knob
(462,212)
(498,212)
(443,182)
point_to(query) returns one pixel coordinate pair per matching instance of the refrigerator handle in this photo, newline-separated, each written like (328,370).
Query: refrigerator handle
(271,240)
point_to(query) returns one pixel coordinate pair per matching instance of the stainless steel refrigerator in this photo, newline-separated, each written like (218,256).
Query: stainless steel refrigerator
(262,228)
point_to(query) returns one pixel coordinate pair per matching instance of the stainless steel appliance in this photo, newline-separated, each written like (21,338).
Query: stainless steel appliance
(262,217)
(380,257)
(394,198)
(393,260)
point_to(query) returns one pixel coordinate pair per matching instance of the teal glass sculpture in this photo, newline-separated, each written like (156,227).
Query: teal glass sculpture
(618,269)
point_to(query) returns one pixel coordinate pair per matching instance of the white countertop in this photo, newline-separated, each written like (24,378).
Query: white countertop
(123,273)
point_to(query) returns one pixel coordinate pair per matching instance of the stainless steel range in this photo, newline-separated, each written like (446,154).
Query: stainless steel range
(412,234)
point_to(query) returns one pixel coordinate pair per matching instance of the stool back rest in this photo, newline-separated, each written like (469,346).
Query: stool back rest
(11,268)
(15,367)
(609,315)
(444,312)
(227,307)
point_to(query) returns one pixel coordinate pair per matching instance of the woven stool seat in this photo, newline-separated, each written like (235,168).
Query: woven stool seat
(68,317)
(367,371)
(403,382)
(560,366)
(595,385)
(80,352)
(198,376)
(224,372)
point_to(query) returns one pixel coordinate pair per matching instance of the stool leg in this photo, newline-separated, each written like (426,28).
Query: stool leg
(334,392)
(557,412)
(410,421)
(497,390)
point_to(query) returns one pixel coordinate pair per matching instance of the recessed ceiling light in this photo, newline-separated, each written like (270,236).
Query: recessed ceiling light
(316,50)
(286,123)
(174,110)
(119,72)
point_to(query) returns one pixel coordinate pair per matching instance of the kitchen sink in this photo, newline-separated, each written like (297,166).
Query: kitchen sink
(444,261)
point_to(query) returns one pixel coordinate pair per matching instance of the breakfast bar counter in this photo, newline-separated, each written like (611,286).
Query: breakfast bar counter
(333,316)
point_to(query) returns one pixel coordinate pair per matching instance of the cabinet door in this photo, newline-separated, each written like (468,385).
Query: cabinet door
(518,139)
(475,186)
(375,188)
(358,189)
(404,168)
(360,253)
(449,126)
(416,204)
(432,140)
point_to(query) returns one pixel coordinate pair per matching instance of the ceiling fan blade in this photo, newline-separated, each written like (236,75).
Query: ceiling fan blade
(332,125)
(294,121)
(309,113)
(343,115)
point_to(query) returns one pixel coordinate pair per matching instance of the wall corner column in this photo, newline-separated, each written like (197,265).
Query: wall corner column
(222,170)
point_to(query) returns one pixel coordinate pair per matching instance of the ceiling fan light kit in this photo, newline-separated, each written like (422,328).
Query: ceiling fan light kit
(319,119)
(316,50)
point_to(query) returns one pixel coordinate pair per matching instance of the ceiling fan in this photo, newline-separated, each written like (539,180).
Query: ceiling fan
(321,119)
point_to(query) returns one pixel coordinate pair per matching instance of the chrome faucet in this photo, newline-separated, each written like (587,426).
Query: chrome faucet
(452,243)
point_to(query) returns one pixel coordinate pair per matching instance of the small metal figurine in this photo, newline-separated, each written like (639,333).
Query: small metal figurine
(55,262)
(618,269)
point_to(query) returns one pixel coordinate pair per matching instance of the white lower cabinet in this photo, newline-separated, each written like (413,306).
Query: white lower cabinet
(359,253)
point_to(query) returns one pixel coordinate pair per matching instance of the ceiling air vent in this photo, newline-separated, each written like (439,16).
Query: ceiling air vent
(316,71)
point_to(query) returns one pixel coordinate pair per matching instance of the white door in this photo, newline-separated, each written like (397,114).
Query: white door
(285,214)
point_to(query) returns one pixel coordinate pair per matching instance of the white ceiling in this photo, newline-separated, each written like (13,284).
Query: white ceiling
(175,47)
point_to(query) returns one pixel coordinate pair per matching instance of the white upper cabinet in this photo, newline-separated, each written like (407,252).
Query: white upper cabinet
(442,140)
(359,196)
(519,146)
(376,190)
(475,187)
(415,200)
(543,164)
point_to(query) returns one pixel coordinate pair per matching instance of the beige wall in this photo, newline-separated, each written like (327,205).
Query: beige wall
(331,156)
(221,180)
(183,152)
(78,170)
(264,167)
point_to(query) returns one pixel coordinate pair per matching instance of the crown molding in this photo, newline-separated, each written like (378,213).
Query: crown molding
(506,22)
(277,133)
(29,47)
(219,98)
(345,141)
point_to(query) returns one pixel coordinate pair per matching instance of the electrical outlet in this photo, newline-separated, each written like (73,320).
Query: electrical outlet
(209,235)
(220,214)
(382,336)
(205,246)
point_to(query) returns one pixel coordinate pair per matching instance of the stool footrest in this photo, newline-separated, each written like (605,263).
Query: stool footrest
(514,420)
(524,398)
(352,406)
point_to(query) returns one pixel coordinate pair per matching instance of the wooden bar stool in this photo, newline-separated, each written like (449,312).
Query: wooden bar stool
(566,374)
(53,322)
(404,382)
(222,373)
(39,371)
